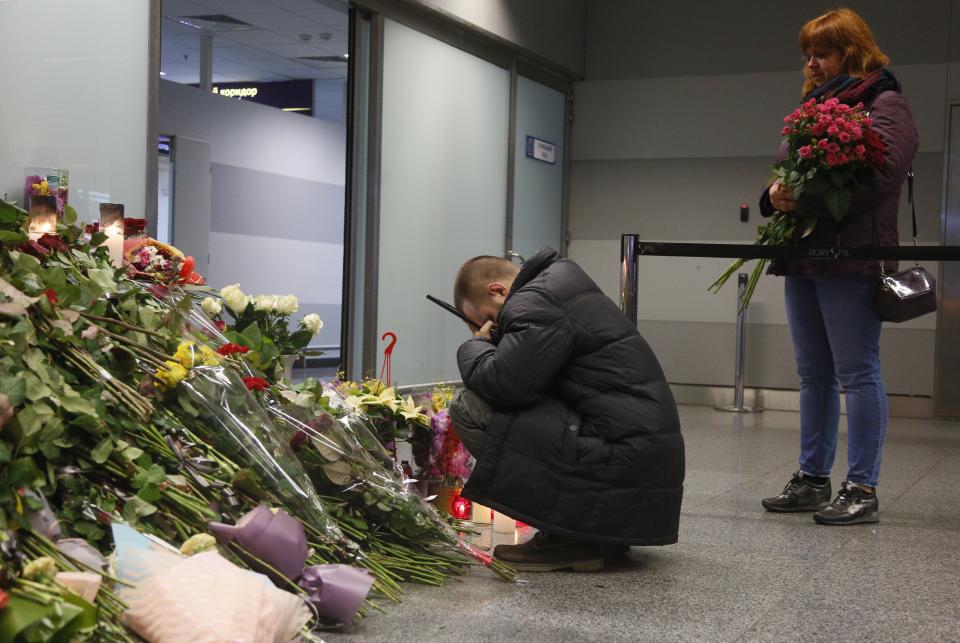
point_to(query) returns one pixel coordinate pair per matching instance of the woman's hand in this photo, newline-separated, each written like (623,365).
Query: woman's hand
(781,196)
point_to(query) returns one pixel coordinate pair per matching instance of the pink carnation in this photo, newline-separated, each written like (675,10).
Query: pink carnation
(823,144)
(806,151)
(844,137)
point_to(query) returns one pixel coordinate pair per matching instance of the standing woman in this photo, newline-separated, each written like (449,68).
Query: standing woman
(831,306)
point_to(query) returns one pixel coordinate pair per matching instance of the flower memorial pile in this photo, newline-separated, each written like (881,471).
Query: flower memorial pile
(261,324)
(122,404)
(830,146)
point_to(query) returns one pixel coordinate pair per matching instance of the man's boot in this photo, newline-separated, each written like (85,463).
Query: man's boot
(546,553)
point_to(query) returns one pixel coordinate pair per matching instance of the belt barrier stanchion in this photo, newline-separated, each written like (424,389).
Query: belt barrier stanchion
(740,361)
(631,248)
(628,276)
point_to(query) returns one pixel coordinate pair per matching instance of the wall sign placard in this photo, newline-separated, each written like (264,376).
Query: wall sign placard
(541,150)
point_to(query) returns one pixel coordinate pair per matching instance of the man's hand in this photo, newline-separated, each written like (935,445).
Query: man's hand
(781,196)
(6,410)
(484,332)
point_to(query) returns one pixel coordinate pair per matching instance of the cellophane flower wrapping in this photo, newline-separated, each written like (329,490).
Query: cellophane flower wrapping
(215,403)
(206,598)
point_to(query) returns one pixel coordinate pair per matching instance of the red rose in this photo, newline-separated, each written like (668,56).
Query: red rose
(220,324)
(52,242)
(4,599)
(256,383)
(31,247)
(230,349)
(297,440)
(51,295)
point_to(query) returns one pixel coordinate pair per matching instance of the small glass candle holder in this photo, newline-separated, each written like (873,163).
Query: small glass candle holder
(111,224)
(43,216)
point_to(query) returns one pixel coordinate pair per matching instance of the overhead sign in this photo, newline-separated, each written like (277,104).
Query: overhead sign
(541,150)
(288,95)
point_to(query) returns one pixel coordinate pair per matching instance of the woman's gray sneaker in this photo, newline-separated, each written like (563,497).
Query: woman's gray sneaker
(800,494)
(851,506)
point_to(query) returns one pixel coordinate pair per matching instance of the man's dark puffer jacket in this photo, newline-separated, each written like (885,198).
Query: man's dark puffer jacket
(585,441)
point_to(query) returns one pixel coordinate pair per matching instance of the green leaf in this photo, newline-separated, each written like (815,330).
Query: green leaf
(30,422)
(102,451)
(12,238)
(5,455)
(98,238)
(136,508)
(15,388)
(103,278)
(77,405)
(132,453)
(9,213)
(252,333)
(150,493)
(838,203)
(23,472)
(69,215)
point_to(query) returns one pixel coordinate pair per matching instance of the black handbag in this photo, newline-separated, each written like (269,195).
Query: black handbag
(911,293)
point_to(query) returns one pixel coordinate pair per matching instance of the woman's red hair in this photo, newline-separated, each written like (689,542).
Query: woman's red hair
(845,30)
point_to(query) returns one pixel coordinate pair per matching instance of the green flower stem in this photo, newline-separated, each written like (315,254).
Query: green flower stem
(123,324)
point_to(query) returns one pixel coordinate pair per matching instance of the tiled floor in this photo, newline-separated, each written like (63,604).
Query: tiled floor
(739,573)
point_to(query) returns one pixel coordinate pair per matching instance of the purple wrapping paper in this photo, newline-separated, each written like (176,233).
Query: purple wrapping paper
(336,591)
(274,537)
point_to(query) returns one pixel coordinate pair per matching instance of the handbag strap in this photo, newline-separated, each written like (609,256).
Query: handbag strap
(913,215)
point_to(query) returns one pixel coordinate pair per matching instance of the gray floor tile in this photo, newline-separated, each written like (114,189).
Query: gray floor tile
(738,572)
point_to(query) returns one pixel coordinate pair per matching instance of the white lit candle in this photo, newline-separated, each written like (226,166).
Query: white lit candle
(111,224)
(115,243)
(482,514)
(503,524)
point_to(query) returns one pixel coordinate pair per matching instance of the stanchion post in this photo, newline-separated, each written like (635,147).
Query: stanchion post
(740,361)
(628,276)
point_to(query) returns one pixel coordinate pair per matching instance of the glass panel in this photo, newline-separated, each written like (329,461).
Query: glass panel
(75,98)
(443,191)
(538,184)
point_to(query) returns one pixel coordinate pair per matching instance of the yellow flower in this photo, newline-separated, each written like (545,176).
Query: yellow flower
(210,357)
(198,543)
(185,354)
(168,378)
(43,566)
(387,397)
(442,396)
(411,411)
(42,188)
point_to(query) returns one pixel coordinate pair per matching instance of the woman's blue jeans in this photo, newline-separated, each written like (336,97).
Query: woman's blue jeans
(836,341)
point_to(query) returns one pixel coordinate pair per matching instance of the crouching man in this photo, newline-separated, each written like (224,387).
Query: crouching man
(567,413)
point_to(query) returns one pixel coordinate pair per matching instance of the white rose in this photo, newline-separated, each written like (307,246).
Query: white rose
(265,302)
(313,323)
(235,299)
(226,290)
(211,306)
(287,305)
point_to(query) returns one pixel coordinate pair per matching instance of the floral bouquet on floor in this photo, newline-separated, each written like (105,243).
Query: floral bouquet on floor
(438,451)
(261,324)
(153,260)
(830,145)
(393,417)
(344,459)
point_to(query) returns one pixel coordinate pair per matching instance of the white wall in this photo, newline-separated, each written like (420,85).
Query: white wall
(553,29)
(677,123)
(74,77)
(269,242)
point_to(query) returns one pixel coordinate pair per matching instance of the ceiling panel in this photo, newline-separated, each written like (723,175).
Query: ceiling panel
(230,7)
(276,20)
(257,37)
(267,52)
